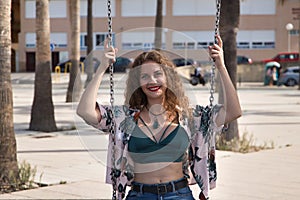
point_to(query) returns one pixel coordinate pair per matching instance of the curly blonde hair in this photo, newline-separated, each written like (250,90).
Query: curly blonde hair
(175,98)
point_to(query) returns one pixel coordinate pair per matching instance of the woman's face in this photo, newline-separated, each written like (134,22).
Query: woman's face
(153,80)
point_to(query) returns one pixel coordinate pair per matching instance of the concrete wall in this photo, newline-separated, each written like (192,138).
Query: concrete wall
(245,73)
(250,73)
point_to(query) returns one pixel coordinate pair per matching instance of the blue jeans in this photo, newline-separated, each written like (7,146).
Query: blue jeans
(182,194)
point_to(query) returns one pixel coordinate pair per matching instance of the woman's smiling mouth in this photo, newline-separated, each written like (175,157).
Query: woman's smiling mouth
(154,88)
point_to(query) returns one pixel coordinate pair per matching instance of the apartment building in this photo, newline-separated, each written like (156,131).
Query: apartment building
(188,28)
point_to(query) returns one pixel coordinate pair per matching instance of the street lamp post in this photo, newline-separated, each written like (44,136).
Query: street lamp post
(289,27)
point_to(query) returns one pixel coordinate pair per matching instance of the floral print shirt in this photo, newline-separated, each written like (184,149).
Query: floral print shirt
(199,168)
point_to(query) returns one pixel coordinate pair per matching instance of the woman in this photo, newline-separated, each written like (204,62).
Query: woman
(162,143)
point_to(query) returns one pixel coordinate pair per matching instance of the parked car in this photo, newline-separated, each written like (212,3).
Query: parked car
(284,57)
(121,64)
(65,66)
(95,63)
(290,76)
(244,60)
(178,62)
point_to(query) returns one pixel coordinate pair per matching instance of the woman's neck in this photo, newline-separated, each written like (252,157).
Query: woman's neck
(155,102)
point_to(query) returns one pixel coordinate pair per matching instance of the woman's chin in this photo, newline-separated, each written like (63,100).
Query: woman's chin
(154,95)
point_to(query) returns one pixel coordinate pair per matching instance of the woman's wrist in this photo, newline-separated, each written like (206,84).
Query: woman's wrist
(101,69)
(222,68)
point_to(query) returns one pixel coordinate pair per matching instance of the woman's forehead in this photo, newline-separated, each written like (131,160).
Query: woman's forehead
(150,66)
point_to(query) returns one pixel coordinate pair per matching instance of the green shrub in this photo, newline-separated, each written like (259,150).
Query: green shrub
(244,145)
(25,179)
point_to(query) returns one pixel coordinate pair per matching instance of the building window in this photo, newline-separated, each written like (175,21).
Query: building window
(256,39)
(99,8)
(127,45)
(257,45)
(100,37)
(194,8)
(258,7)
(270,45)
(29,9)
(243,45)
(83,41)
(201,45)
(178,45)
(139,40)
(294,32)
(137,8)
(57,9)
(139,45)
(57,39)
(184,45)
(192,39)
(30,40)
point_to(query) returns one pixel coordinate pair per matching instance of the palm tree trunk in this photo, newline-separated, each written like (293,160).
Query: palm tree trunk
(8,155)
(229,22)
(42,111)
(89,58)
(75,84)
(158,25)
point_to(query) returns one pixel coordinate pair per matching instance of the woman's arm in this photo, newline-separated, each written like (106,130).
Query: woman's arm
(232,109)
(86,108)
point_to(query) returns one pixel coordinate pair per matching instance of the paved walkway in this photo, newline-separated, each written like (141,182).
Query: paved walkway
(72,164)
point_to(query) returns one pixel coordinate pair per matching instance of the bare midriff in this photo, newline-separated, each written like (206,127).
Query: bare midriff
(153,173)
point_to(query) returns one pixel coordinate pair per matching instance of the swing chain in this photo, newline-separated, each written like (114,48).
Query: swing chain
(111,69)
(109,21)
(213,69)
(112,127)
(212,86)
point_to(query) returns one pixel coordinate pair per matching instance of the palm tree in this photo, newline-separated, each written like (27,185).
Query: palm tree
(89,62)
(281,2)
(75,84)
(229,23)
(42,111)
(8,155)
(158,24)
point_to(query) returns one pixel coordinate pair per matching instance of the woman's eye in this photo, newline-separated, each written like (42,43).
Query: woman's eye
(144,76)
(158,74)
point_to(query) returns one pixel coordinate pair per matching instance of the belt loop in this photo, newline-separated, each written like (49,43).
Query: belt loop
(173,186)
(141,188)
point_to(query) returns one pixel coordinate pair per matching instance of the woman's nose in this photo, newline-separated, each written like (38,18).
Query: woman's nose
(152,79)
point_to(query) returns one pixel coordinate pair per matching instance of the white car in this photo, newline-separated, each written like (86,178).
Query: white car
(290,76)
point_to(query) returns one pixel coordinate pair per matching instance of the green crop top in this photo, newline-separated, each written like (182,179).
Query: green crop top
(172,148)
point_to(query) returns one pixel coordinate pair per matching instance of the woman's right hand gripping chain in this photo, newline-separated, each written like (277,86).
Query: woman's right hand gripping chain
(108,57)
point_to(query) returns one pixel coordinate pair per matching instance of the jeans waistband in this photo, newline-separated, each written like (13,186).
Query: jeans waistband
(160,188)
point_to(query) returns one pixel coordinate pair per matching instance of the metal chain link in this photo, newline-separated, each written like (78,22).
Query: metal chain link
(213,68)
(111,69)
(212,82)
(109,21)
(112,127)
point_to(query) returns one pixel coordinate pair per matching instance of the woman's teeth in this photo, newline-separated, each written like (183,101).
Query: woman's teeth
(153,89)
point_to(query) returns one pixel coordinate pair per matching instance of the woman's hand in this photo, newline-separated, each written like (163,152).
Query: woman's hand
(216,53)
(108,57)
